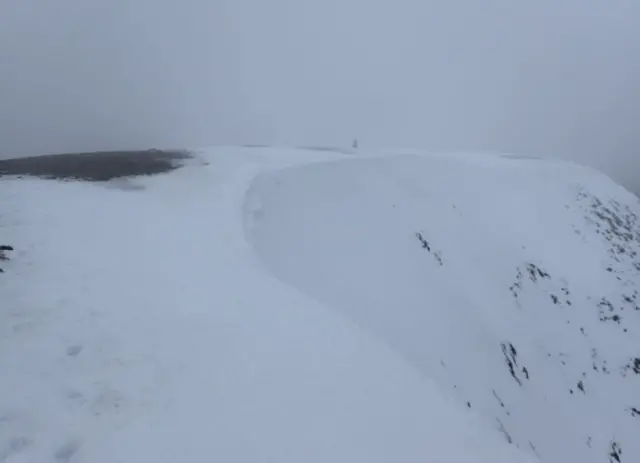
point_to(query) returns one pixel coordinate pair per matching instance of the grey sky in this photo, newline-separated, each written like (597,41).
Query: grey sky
(548,77)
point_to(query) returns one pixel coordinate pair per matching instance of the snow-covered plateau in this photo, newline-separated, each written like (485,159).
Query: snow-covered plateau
(303,305)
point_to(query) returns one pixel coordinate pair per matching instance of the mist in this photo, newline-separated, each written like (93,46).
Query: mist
(557,78)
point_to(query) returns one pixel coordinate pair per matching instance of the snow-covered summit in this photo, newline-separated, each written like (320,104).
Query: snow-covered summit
(308,305)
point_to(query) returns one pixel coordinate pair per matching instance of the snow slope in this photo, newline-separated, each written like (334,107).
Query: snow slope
(137,323)
(512,283)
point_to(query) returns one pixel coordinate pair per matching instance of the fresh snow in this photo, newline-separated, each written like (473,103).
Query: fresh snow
(282,305)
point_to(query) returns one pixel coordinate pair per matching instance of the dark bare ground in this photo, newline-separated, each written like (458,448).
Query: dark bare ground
(99,166)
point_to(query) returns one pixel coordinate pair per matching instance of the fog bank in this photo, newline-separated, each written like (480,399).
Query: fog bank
(552,78)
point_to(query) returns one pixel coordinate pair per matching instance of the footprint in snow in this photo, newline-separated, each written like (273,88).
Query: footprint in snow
(66,452)
(75,396)
(14,447)
(73,351)
(22,326)
(107,401)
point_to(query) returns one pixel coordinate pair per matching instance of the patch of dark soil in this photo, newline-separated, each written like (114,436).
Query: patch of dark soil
(99,166)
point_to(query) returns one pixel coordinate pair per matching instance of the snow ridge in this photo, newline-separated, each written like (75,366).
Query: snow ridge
(138,324)
(512,283)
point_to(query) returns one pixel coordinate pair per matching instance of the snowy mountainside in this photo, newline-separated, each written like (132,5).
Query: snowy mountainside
(137,324)
(512,283)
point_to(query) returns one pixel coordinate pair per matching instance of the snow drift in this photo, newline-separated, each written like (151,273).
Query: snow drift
(512,283)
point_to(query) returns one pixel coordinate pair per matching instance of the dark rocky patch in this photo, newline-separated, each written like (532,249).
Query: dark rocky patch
(3,253)
(516,287)
(423,242)
(536,272)
(503,430)
(510,357)
(427,246)
(608,312)
(502,405)
(598,364)
(615,456)
(95,167)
